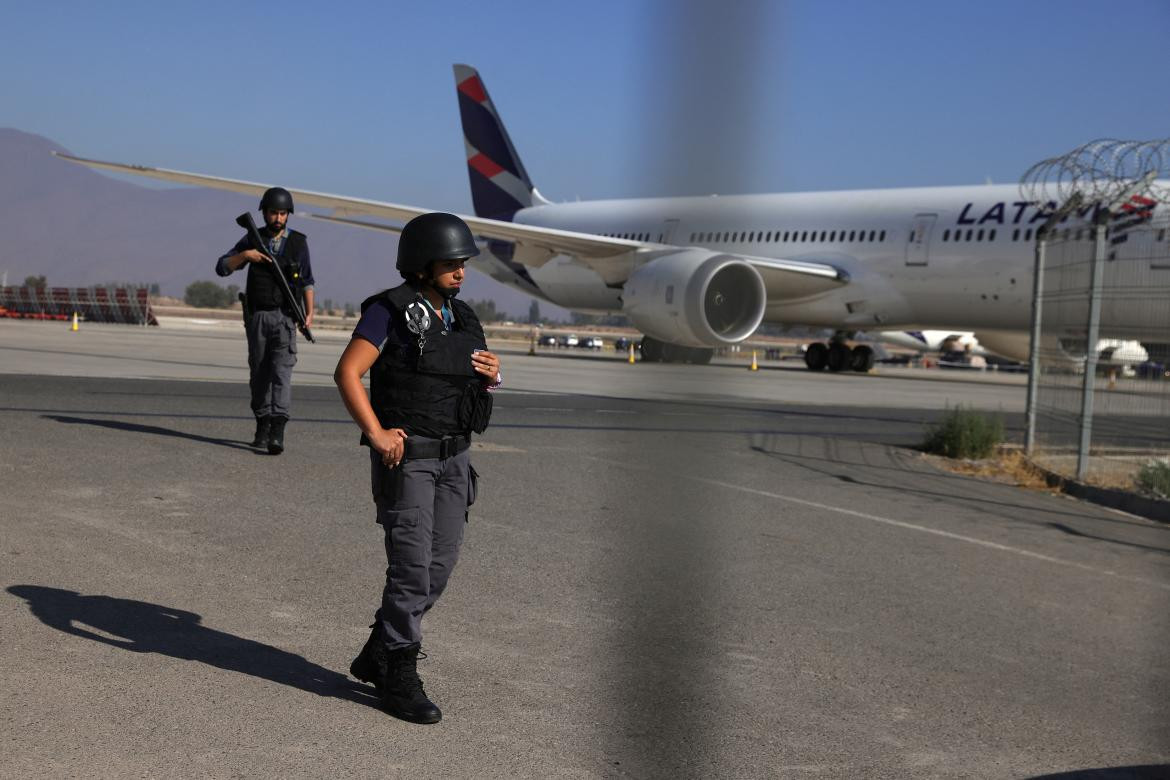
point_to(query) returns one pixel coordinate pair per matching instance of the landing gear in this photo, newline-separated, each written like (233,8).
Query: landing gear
(655,351)
(816,357)
(837,356)
(863,358)
(840,356)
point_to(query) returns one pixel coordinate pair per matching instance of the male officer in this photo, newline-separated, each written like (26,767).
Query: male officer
(429,376)
(268,320)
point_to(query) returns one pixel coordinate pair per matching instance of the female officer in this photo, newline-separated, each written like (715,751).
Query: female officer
(430,371)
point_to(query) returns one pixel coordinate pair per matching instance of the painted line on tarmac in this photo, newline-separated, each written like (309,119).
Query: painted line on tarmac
(908,526)
(929,530)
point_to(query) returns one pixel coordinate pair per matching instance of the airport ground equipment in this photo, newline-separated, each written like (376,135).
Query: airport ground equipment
(247,223)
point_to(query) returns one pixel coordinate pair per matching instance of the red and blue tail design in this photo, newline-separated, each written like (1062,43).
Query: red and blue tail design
(499,184)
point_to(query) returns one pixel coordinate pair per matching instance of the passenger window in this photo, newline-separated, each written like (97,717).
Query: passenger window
(946,235)
(979,237)
(991,235)
(882,237)
(1016,234)
(1028,234)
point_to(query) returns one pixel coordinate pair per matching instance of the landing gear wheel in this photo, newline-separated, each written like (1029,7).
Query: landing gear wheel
(862,358)
(816,357)
(840,356)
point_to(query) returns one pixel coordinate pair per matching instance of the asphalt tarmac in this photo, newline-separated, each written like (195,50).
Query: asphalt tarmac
(671,571)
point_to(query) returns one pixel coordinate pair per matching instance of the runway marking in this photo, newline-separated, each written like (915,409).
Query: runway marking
(901,524)
(929,530)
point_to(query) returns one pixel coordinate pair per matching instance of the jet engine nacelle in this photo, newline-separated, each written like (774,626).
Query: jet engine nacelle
(695,298)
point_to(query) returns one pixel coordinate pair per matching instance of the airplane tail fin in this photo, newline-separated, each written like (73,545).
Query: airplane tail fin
(499,184)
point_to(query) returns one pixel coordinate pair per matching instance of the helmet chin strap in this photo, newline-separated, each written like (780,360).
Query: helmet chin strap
(429,281)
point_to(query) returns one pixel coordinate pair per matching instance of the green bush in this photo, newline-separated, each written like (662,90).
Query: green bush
(965,433)
(1155,477)
(209,295)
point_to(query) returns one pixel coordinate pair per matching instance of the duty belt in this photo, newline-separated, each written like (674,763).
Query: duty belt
(416,448)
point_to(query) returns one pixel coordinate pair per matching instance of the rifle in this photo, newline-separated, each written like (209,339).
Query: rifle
(247,223)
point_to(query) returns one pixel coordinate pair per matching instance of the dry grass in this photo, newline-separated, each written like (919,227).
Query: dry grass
(1007,466)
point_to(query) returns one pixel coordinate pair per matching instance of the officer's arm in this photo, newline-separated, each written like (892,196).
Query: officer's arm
(309,296)
(355,361)
(234,262)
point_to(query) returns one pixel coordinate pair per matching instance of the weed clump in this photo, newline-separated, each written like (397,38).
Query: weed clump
(965,433)
(1154,477)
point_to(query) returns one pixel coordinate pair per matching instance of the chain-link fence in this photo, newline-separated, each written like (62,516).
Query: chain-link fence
(1103,416)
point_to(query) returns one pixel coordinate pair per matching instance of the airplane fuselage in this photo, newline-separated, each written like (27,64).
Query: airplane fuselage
(939,257)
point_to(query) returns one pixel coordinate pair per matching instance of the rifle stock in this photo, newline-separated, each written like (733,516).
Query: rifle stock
(248,224)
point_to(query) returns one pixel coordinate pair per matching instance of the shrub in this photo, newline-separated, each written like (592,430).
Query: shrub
(209,295)
(1155,477)
(965,433)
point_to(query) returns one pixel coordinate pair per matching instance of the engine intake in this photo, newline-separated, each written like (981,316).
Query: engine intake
(695,298)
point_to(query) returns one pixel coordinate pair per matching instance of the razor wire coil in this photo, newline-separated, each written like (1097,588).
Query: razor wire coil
(1104,171)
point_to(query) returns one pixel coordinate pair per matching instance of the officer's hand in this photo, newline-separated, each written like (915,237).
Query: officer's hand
(486,363)
(255,256)
(390,445)
(309,318)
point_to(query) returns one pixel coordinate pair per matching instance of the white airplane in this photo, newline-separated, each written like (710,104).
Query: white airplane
(695,273)
(1111,353)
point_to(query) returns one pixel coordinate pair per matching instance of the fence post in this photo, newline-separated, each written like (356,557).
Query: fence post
(1100,221)
(1042,234)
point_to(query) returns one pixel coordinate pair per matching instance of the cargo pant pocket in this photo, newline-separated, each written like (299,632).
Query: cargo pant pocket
(472,484)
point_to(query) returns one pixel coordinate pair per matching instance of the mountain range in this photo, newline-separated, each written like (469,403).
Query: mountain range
(78,227)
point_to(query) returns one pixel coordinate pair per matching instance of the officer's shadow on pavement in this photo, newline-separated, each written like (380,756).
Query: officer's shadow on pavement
(141,627)
(119,425)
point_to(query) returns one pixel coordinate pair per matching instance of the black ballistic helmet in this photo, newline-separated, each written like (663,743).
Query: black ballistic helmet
(277,199)
(434,236)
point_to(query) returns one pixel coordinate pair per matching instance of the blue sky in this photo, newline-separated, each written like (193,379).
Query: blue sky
(603,99)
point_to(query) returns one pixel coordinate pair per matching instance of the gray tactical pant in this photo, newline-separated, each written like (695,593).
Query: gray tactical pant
(422,506)
(272,353)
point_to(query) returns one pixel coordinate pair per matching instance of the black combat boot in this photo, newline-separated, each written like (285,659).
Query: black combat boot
(263,426)
(402,691)
(365,666)
(276,436)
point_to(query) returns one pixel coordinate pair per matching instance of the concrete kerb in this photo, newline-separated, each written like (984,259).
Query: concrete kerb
(1150,508)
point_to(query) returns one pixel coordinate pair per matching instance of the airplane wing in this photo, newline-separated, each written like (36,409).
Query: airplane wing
(783,279)
(612,258)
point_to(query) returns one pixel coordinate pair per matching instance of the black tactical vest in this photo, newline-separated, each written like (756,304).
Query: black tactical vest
(262,289)
(424,382)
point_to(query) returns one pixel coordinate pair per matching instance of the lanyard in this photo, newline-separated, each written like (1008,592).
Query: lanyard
(444,312)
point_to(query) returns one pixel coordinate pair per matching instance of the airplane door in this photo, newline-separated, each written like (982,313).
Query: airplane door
(918,245)
(666,232)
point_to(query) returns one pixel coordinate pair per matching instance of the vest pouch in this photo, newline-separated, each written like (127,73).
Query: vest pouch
(475,408)
(449,354)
